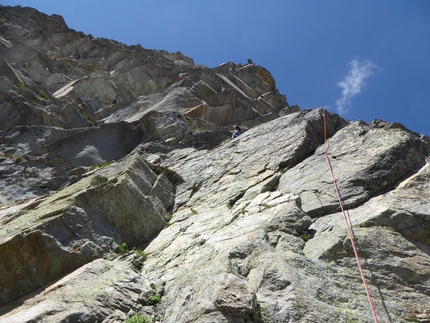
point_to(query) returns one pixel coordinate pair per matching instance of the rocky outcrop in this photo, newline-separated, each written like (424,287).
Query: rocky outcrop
(58,84)
(124,202)
(247,213)
(123,194)
(102,291)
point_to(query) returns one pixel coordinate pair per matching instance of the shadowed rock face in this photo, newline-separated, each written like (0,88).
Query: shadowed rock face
(106,147)
(50,236)
(68,100)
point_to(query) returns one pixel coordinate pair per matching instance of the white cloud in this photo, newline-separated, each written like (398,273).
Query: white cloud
(353,83)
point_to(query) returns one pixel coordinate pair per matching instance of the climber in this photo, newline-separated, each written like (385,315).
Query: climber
(236,132)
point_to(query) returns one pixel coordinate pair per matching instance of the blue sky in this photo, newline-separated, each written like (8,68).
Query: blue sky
(362,59)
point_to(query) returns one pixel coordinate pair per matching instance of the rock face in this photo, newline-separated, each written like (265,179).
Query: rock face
(122,193)
(57,85)
(49,236)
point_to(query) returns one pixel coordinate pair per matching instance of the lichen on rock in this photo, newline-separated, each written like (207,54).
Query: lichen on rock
(123,194)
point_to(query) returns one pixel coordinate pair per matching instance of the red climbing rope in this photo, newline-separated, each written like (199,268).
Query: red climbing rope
(351,236)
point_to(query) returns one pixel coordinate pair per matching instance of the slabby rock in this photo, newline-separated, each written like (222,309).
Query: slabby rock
(255,233)
(79,295)
(366,161)
(42,240)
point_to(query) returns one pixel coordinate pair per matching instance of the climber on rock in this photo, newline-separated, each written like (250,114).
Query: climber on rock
(236,132)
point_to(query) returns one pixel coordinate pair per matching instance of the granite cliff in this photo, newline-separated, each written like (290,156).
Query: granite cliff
(122,193)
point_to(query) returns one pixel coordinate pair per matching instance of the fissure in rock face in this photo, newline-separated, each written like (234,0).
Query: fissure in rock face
(123,194)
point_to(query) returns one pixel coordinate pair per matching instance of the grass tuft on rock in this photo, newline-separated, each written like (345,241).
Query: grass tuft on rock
(137,318)
(104,164)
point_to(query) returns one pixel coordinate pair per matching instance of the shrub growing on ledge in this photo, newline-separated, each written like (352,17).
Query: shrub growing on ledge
(122,248)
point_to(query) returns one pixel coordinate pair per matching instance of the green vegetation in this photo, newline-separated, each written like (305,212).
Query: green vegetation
(137,318)
(169,217)
(194,211)
(154,299)
(122,248)
(16,159)
(243,208)
(305,237)
(104,164)
(139,258)
(171,175)
(261,314)
(41,96)
(25,87)
(151,297)
(307,234)
(142,254)
(81,109)
(347,315)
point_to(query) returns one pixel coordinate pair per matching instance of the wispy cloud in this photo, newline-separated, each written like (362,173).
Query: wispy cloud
(353,83)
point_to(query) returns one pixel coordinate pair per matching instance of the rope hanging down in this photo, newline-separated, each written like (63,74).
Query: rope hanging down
(350,233)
